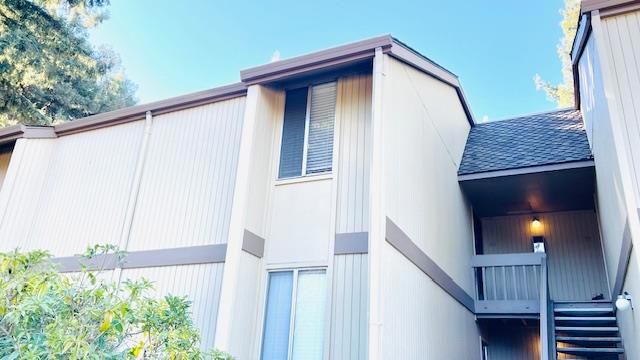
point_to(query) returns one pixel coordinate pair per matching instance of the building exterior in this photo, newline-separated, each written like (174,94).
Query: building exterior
(345,205)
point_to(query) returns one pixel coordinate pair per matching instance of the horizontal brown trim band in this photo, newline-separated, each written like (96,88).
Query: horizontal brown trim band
(351,243)
(401,241)
(527,170)
(507,259)
(508,307)
(253,244)
(190,255)
(623,260)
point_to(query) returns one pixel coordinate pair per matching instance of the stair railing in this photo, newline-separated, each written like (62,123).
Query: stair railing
(508,283)
(516,285)
(547,328)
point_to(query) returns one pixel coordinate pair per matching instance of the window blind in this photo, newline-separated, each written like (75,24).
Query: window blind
(292,147)
(275,339)
(321,123)
(308,330)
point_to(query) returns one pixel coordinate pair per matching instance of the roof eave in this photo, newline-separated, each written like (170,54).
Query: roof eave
(12,133)
(527,170)
(158,107)
(353,53)
(322,60)
(132,113)
(604,6)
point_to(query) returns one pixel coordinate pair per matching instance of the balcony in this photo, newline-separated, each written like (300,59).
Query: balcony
(510,284)
(516,286)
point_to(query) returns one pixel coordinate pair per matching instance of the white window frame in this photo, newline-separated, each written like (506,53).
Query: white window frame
(294,294)
(305,144)
(307,121)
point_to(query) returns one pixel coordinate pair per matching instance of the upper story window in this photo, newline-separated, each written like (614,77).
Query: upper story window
(307,132)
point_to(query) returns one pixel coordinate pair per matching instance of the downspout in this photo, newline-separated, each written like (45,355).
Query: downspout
(123,243)
(377,217)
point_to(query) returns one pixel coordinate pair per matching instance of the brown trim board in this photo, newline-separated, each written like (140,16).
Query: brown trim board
(591,5)
(189,255)
(351,243)
(401,242)
(253,244)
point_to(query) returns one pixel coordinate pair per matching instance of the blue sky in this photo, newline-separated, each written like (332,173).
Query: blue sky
(496,47)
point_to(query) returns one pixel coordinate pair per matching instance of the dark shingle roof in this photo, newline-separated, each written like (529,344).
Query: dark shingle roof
(531,140)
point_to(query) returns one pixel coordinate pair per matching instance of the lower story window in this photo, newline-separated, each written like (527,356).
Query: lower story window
(294,322)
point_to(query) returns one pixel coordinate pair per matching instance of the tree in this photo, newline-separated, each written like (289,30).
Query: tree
(48,315)
(49,72)
(562,93)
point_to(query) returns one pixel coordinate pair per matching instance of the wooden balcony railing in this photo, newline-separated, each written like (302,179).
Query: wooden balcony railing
(514,285)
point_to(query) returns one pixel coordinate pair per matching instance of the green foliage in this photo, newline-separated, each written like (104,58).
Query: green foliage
(562,93)
(48,315)
(49,72)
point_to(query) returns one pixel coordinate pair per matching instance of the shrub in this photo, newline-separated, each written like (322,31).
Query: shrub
(48,315)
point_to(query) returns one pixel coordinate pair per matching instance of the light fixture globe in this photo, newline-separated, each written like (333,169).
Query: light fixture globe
(623,303)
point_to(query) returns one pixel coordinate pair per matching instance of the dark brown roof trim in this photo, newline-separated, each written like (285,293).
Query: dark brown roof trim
(335,57)
(349,54)
(340,55)
(12,133)
(579,43)
(159,107)
(591,5)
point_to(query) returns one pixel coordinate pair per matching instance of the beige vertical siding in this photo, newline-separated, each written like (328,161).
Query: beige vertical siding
(5,157)
(354,118)
(72,191)
(425,130)
(425,133)
(188,178)
(349,311)
(622,34)
(576,265)
(21,191)
(199,283)
(611,208)
(420,320)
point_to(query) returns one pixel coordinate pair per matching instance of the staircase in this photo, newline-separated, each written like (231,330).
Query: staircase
(587,330)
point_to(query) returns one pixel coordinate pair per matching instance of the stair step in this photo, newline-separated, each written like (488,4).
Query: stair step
(586,320)
(584,311)
(590,351)
(586,329)
(590,340)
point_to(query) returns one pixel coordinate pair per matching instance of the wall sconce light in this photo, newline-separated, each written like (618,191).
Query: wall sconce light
(536,227)
(537,238)
(623,303)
